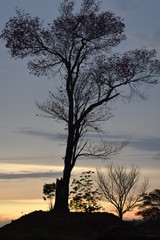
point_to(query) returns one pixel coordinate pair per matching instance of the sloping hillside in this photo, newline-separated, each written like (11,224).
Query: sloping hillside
(44,225)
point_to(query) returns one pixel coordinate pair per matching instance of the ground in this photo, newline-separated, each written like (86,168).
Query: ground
(41,225)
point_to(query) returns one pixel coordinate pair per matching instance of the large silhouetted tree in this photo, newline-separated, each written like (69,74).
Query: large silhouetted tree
(77,46)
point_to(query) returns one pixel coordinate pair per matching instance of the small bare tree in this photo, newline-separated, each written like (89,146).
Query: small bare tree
(121,187)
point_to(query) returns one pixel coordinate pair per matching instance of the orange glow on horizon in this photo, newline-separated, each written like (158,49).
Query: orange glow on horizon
(24,195)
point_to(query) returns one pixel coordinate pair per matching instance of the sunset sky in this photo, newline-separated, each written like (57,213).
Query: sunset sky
(31,147)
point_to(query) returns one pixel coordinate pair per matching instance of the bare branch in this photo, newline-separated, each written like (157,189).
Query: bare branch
(102,150)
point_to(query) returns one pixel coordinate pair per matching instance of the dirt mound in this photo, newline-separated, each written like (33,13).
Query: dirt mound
(47,225)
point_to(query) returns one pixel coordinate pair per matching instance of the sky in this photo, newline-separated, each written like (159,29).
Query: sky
(31,147)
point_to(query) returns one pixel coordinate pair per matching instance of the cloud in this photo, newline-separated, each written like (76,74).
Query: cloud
(146,143)
(107,136)
(22,175)
(40,133)
(157,157)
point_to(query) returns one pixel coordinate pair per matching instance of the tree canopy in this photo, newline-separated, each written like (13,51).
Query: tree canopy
(49,193)
(149,208)
(84,196)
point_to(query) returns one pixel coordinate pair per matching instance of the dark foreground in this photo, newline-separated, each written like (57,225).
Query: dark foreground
(41,225)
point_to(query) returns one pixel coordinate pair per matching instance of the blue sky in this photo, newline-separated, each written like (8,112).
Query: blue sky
(23,134)
(26,139)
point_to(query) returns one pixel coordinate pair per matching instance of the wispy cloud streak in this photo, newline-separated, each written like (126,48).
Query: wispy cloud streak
(146,143)
(22,175)
(43,134)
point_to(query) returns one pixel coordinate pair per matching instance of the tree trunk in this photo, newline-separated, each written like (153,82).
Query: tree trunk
(62,193)
(120,214)
(61,198)
(62,185)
